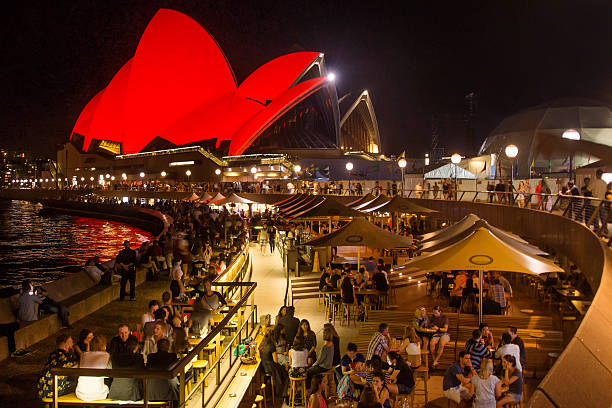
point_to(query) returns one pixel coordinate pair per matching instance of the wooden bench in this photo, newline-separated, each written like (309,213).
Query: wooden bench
(71,399)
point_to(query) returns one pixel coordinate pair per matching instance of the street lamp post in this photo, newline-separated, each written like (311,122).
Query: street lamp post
(349,167)
(456,159)
(188,173)
(402,164)
(511,153)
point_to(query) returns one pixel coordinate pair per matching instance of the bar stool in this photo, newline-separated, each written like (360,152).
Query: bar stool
(331,382)
(348,310)
(294,383)
(266,376)
(263,393)
(199,367)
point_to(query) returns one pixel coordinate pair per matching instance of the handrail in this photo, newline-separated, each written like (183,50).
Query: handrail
(177,367)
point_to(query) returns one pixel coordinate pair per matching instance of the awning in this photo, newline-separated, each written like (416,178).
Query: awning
(360,232)
(329,207)
(365,199)
(234,198)
(378,201)
(401,205)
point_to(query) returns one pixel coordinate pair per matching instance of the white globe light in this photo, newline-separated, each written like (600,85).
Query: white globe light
(46,180)
(113,178)
(123,176)
(163,174)
(142,174)
(297,168)
(188,173)
(402,163)
(82,178)
(331,77)
(456,158)
(511,151)
(91,179)
(53,180)
(571,134)
(253,169)
(349,166)
(218,171)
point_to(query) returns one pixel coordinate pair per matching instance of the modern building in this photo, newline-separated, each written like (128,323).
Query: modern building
(177,101)
(556,136)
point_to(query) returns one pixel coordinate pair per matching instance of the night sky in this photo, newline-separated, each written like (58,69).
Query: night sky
(416,58)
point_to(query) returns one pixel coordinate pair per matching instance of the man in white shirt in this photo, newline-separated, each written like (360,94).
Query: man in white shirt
(599,188)
(508,348)
(149,317)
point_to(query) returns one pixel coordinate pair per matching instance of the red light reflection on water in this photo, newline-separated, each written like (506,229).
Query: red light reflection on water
(104,238)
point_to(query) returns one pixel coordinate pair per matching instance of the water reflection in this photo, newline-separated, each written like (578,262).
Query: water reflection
(46,247)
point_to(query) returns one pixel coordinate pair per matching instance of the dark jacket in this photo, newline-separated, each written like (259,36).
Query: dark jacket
(116,345)
(126,389)
(291,325)
(161,389)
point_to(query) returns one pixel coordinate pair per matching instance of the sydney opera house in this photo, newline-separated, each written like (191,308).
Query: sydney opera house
(177,103)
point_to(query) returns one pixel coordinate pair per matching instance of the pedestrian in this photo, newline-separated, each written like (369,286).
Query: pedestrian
(126,263)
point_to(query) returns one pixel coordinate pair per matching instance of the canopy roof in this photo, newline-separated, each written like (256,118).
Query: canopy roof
(380,200)
(288,200)
(216,199)
(365,199)
(462,225)
(304,205)
(360,232)
(204,198)
(448,171)
(329,207)
(234,198)
(402,205)
(192,197)
(482,250)
(445,240)
(299,199)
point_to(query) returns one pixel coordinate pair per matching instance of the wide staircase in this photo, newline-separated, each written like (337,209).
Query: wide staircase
(461,327)
(307,286)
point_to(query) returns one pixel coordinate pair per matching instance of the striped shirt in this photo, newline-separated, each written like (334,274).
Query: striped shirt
(377,345)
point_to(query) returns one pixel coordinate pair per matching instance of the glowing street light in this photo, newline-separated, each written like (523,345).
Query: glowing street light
(511,151)
(107,176)
(331,77)
(142,174)
(571,134)
(124,176)
(297,168)
(113,178)
(349,166)
(91,179)
(218,172)
(82,178)
(163,174)
(253,170)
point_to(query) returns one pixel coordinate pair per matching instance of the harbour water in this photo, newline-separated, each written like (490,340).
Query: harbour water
(44,246)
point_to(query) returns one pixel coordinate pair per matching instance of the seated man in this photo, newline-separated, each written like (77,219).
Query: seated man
(162,389)
(477,349)
(118,344)
(30,297)
(439,322)
(161,316)
(127,389)
(63,356)
(456,383)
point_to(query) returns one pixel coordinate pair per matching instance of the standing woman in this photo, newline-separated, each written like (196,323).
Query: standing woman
(310,340)
(520,199)
(317,395)
(176,276)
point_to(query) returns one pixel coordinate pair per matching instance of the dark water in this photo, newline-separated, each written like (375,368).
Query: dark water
(47,246)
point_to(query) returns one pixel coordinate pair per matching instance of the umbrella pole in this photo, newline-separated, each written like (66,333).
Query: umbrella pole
(480,295)
(358,248)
